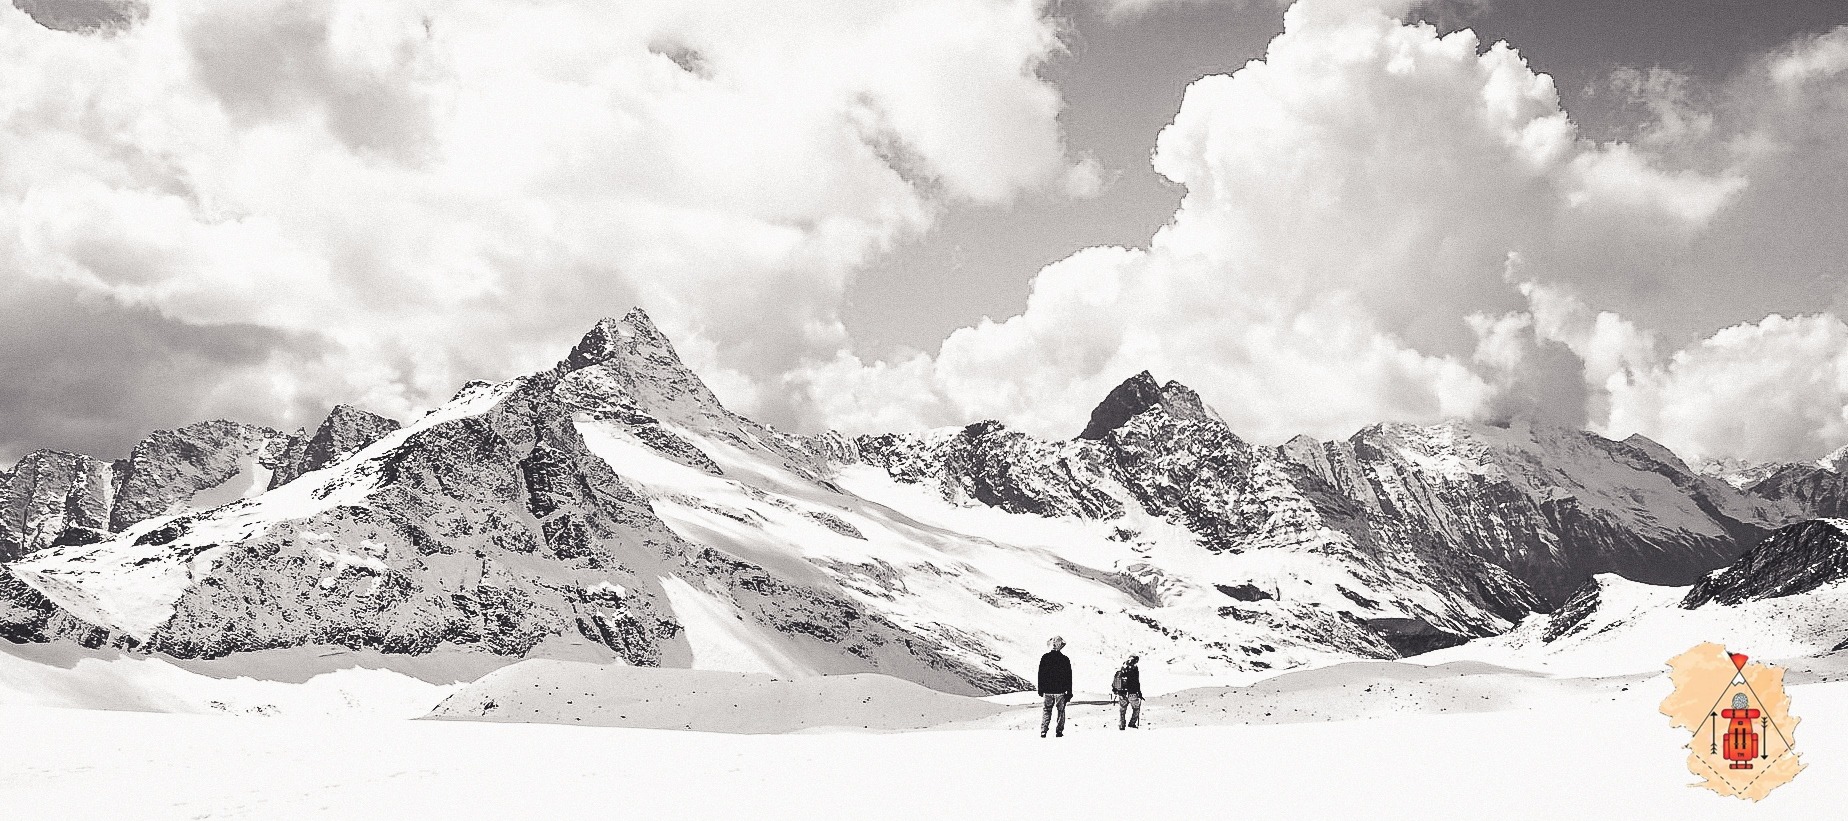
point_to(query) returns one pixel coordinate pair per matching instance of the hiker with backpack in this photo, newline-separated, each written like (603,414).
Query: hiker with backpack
(1126,687)
(1055,684)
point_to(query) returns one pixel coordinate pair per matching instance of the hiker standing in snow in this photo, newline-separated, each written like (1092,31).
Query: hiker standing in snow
(1055,684)
(1126,685)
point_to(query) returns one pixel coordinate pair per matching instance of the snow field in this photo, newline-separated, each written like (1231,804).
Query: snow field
(296,682)
(575,693)
(1565,758)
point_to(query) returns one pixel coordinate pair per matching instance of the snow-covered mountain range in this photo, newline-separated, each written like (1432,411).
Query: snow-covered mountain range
(611,506)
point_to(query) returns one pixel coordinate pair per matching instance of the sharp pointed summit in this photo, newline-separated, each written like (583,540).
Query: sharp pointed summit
(1135,396)
(628,363)
(633,334)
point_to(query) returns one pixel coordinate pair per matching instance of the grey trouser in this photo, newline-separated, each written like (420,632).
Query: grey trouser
(1054,700)
(1129,704)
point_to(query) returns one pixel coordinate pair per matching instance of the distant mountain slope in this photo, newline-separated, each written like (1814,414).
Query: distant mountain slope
(1783,599)
(1553,506)
(1815,490)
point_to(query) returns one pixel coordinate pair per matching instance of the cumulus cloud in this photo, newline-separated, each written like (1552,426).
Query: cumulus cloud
(1350,200)
(1775,389)
(436,191)
(254,209)
(1734,381)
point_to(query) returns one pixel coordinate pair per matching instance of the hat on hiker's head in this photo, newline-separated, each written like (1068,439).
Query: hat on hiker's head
(1055,641)
(1133,657)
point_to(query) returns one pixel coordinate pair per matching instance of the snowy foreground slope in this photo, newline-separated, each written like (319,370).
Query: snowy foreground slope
(1557,749)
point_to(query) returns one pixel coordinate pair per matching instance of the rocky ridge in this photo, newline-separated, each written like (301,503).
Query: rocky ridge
(1554,506)
(614,503)
(54,498)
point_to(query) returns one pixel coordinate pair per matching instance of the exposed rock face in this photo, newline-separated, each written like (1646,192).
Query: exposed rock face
(1794,560)
(1158,452)
(54,497)
(24,612)
(1578,608)
(1553,506)
(168,469)
(343,433)
(1137,395)
(1814,490)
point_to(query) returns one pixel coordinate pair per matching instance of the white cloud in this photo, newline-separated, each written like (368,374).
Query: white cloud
(1811,59)
(449,189)
(1772,389)
(1351,199)
(296,202)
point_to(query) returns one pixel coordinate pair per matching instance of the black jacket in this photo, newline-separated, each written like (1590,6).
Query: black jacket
(1055,674)
(1132,680)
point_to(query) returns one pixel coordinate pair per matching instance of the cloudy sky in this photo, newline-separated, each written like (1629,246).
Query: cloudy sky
(877,215)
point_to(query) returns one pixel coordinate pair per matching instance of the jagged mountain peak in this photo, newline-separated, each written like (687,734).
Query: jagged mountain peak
(1125,401)
(1136,396)
(344,413)
(344,432)
(613,500)
(634,334)
(628,364)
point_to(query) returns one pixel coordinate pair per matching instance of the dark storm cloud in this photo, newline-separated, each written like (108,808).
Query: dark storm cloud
(93,378)
(85,16)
